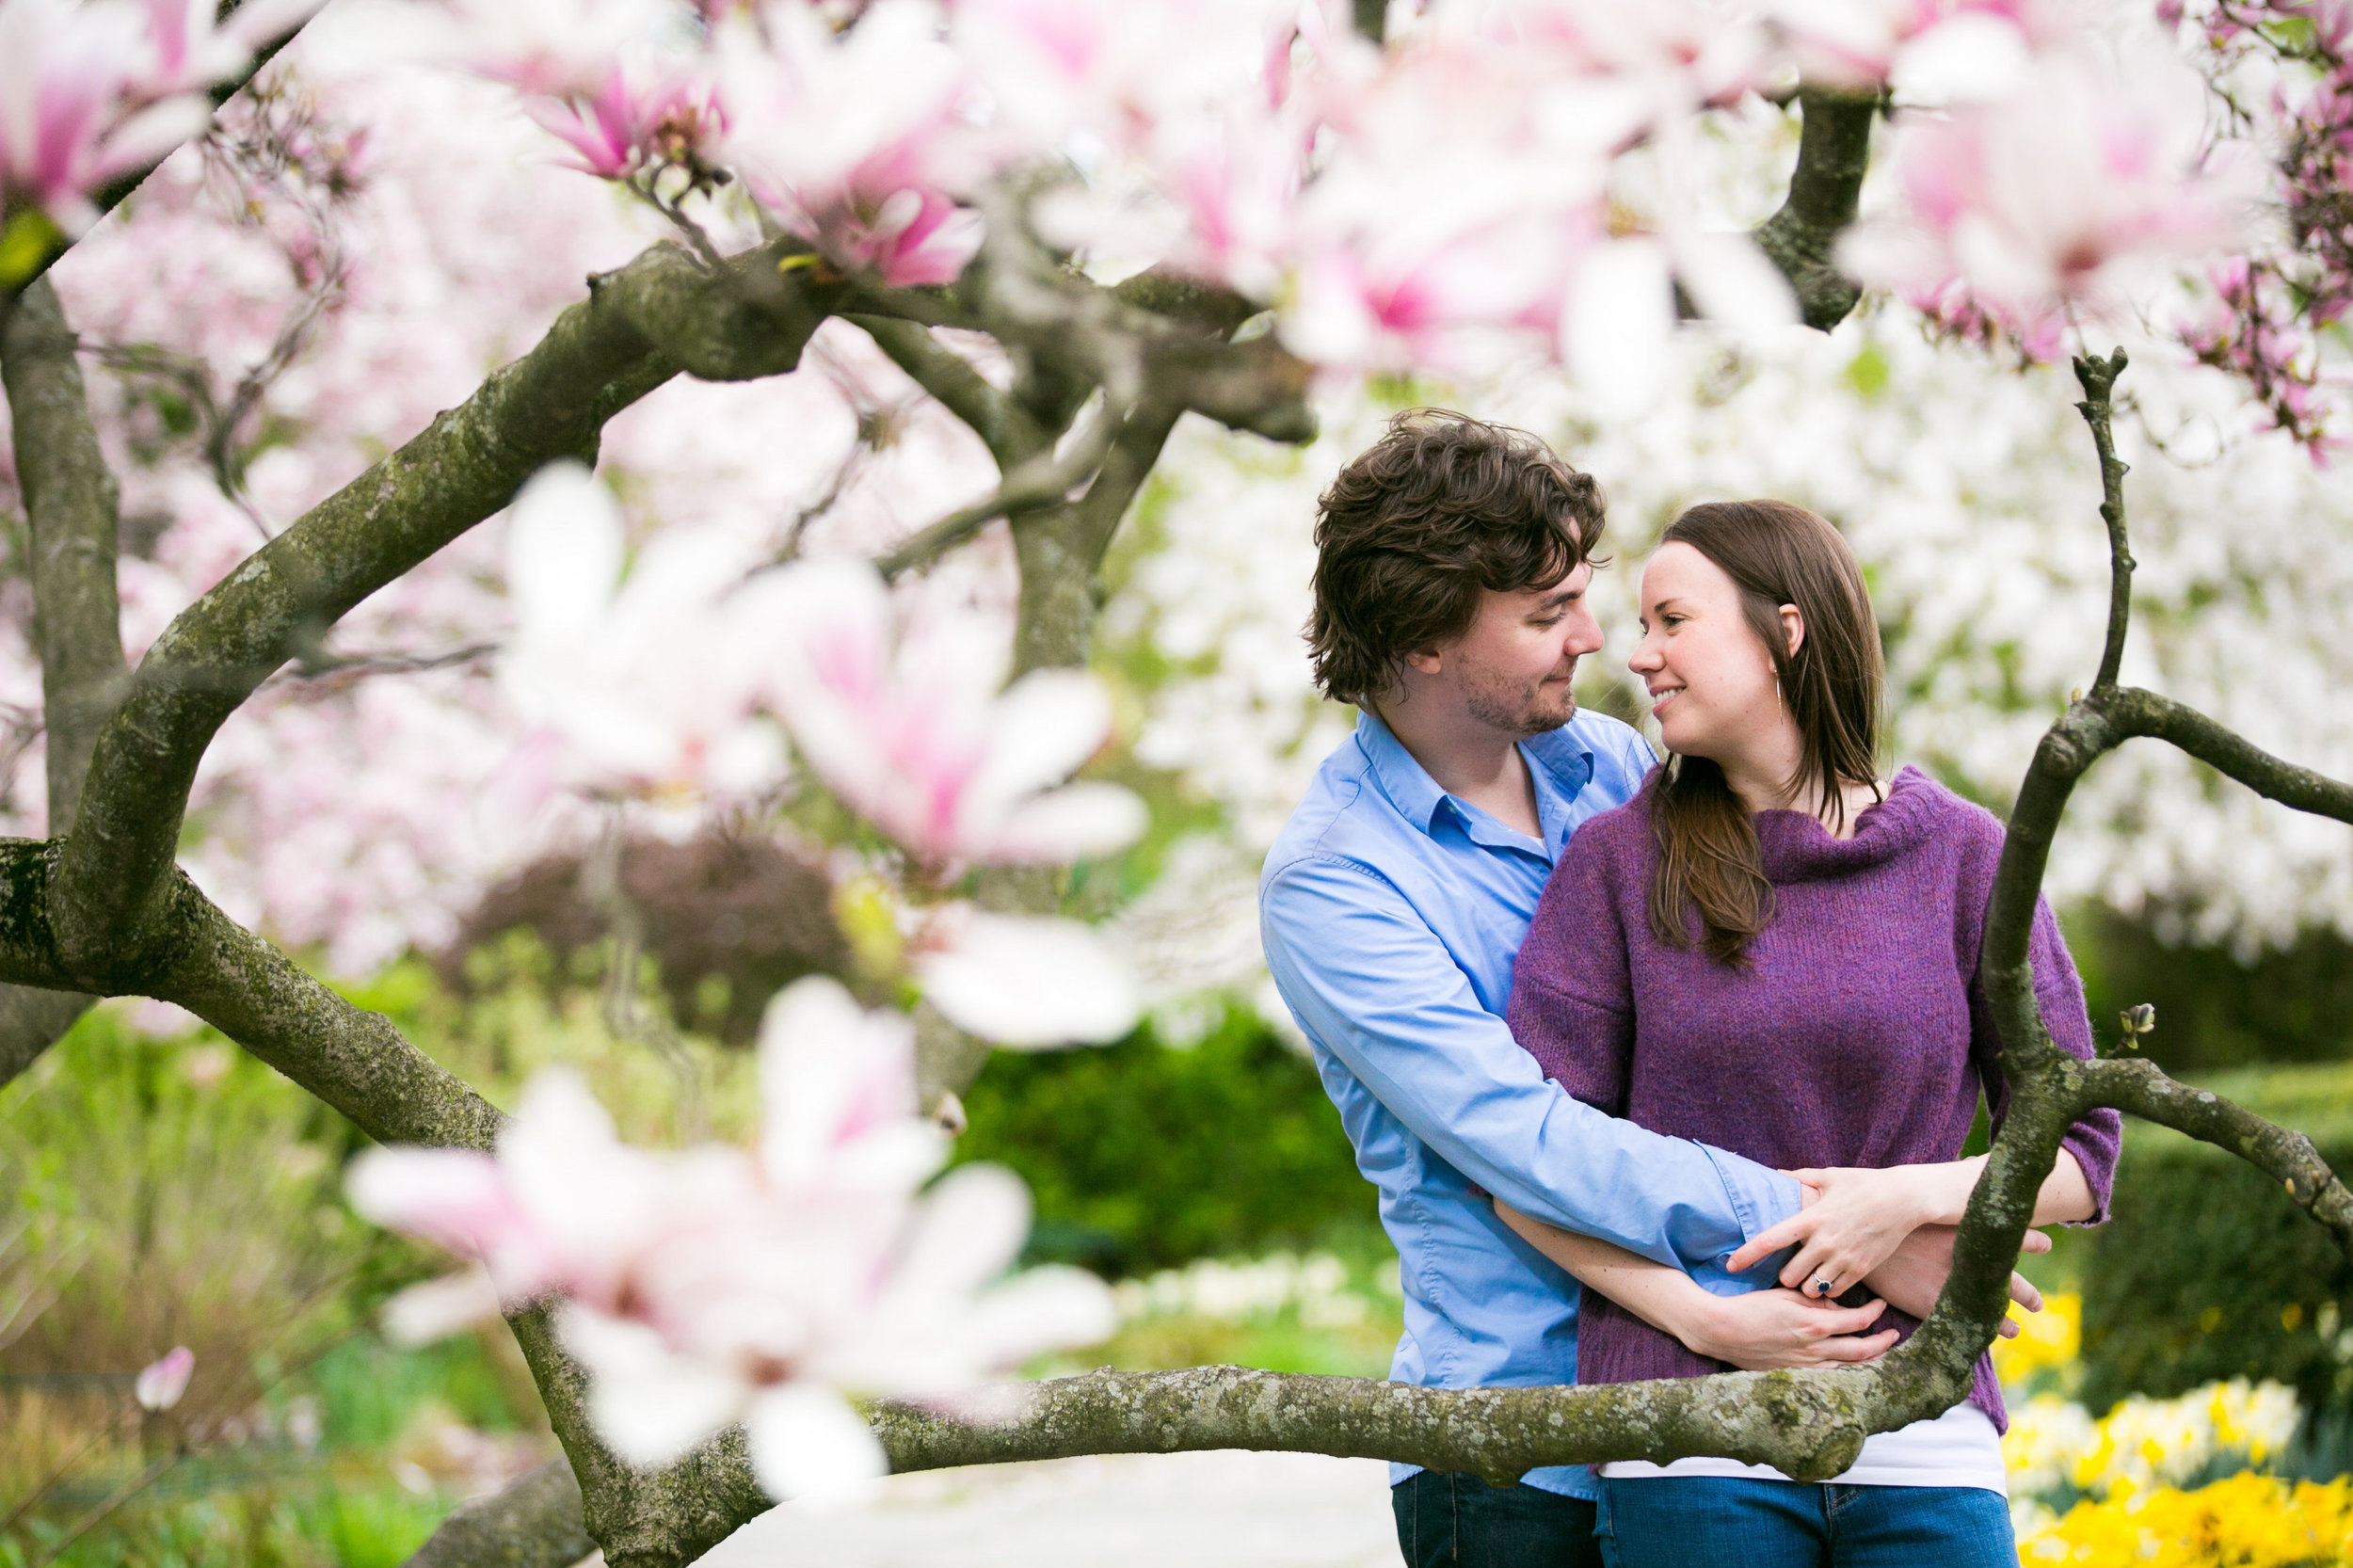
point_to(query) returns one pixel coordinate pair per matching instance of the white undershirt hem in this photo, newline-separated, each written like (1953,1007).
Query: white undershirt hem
(1956,1448)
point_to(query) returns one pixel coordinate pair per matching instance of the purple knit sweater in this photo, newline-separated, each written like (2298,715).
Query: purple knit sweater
(1858,1035)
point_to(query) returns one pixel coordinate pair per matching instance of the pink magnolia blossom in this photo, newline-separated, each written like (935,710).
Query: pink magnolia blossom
(648,683)
(193,47)
(558,47)
(648,112)
(70,116)
(160,1384)
(724,1284)
(2063,198)
(1862,44)
(914,735)
(859,140)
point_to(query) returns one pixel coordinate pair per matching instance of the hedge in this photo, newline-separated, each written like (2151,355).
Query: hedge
(1143,1155)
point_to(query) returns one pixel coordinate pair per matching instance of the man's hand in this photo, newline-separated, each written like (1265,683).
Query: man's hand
(1768,1329)
(1913,1276)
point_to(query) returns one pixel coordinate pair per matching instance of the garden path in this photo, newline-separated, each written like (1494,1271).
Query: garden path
(1236,1509)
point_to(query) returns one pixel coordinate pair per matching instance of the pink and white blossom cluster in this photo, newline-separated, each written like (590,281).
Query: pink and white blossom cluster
(662,683)
(93,90)
(1454,193)
(717,1285)
(2273,308)
(2072,196)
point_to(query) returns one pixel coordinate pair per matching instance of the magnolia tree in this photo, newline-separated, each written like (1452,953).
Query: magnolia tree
(1062,226)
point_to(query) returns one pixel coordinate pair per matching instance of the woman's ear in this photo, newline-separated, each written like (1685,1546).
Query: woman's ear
(1793,627)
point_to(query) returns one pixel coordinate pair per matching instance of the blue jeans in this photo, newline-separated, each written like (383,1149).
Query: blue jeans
(1731,1522)
(1449,1520)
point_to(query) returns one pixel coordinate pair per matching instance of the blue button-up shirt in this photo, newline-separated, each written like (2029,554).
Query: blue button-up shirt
(1391,912)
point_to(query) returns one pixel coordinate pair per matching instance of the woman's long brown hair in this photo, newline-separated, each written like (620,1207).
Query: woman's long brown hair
(1709,859)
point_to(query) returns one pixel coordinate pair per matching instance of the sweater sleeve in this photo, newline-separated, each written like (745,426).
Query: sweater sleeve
(1572,1003)
(2096,1140)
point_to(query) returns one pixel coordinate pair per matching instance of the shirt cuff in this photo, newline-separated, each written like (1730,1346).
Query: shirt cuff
(1761,1199)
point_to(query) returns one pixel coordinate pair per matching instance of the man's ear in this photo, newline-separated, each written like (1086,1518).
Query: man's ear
(1793,627)
(1429,661)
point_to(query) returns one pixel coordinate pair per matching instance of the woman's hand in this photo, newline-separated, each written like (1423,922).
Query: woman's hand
(1853,1220)
(1764,1330)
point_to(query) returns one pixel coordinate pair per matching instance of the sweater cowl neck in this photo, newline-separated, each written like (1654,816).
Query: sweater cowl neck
(1797,847)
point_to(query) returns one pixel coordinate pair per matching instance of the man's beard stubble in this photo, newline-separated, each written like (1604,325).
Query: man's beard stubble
(1515,708)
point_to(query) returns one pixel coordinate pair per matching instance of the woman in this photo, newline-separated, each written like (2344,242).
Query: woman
(1773,951)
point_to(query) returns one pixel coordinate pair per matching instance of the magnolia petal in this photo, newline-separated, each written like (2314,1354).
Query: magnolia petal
(969,1231)
(649,1405)
(1047,722)
(564,549)
(440,1307)
(258,22)
(807,1445)
(454,1198)
(1620,316)
(1030,982)
(1732,282)
(1971,56)
(833,1075)
(1065,825)
(148,134)
(160,1384)
(1049,1308)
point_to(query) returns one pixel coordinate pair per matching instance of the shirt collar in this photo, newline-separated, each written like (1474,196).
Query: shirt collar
(1562,753)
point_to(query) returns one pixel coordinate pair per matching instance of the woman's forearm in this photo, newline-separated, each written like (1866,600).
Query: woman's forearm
(1945,1189)
(2066,1194)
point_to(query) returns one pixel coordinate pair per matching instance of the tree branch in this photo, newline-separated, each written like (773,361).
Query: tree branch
(638,326)
(2132,711)
(70,502)
(72,511)
(1008,432)
(2286,1156)
(1834,152)
(535,1522)
(2097,378)
(1061,549)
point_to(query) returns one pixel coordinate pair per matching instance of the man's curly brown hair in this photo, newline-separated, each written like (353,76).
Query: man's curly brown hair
(1441,507)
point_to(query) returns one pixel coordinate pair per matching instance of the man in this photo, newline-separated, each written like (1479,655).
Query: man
(1452,563)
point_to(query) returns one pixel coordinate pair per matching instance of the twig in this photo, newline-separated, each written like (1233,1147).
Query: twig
(322,665)
(2098,377)
(1008,432)
(97,1515)
(1040,481)
(602,881)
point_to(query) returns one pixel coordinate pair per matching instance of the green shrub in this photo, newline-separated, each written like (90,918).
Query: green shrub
(2215,1011)
(2207,1271)
(1145,1156)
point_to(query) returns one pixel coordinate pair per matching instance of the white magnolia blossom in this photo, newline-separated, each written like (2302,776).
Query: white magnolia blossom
(646,685)
(716,1285)
(1025,980)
